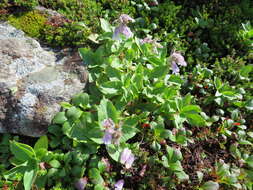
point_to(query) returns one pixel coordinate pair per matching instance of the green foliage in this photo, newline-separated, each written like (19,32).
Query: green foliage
(30,22)
(26,163)
(70,34)
(86,11)
(191,130)
(36,25)
(21,3)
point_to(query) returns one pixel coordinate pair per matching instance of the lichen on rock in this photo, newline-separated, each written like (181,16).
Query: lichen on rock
(32,83)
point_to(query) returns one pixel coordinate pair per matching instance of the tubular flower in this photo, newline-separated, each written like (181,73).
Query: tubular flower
(127,158)
(108,123)
(111,133)
(81,183)
(109,126)
(125,19)
(107,138)
(177,59)
(154,43)
(175,68)
(119,184)
(123,29)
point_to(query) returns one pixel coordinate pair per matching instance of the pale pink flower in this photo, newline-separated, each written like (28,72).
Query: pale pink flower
(108,123)
(109,126)
(124,19)
(111,133)
(119,185)
(81,183)
(178,58)
(107,138)
(122,29)
(154,43)
(175,68)
(127,158)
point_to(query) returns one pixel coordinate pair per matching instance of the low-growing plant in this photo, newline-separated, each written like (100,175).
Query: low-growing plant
(149,119)
(23,4)
(31,22)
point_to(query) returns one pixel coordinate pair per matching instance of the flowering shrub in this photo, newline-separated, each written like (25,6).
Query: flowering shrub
(139,124)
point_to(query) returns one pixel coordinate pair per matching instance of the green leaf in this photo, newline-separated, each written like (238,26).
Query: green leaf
(55,163)
(249,105)
(81,99)
(77,171)
(40,153)
(74,113)
(94,38)
(158,72)
(229,94)
(107,110)
(138,81)
(14,171)
(41,181)
(200,176)
(170,152)
(210,185)
(182,176)
(250,134)
(29,178)
(95,134)
(111,87)
(114,151)
(155,146)
(249,161)
(218,83)
(165,162)
(128,132)
(99,187)
(65,105)
(245,70)
(176,166)
(41,143)
(176,79)
(21,151)
(87,55)
(52,172)
(177,155)
(171,136)
(105,25)
(195,120)
(235,151)
(129,128)
(191,109)
(157,61)
(95,176)
(113,73)
(59,118)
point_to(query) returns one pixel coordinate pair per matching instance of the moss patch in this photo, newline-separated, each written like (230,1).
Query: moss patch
(56,32)
(31,22)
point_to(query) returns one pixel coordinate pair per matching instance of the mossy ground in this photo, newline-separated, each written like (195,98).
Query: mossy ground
(55,32)
(32,23)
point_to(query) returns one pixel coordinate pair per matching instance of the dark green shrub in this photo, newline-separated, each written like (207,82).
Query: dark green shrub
(86,11)
(29,4)
(70,34)
(36,25)
(31,22)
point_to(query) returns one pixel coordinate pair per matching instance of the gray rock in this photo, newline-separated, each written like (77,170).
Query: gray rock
(33,81)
